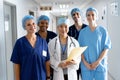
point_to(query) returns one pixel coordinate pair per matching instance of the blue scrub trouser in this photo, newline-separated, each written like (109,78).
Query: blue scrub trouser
(94,75)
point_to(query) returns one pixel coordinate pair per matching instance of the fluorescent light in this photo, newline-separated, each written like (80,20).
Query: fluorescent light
(63,6)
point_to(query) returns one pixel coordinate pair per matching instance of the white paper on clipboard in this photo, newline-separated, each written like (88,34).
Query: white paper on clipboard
(76,52)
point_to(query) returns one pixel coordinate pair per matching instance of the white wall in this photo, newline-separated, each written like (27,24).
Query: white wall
(114,29)
(2,45)
(23,7)
(112,23)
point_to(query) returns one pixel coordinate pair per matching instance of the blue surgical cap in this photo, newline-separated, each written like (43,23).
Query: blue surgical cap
(62,21)
(75,10)
(43,17)
(26,18)
(92,9)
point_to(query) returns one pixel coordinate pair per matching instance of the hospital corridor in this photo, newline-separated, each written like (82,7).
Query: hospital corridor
(13,11)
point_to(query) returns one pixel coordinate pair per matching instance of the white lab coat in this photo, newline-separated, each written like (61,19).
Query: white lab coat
(55,59)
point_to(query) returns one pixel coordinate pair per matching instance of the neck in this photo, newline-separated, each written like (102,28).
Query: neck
(78,25)
(31,36)
(43,34)
(93,26)
(63,39)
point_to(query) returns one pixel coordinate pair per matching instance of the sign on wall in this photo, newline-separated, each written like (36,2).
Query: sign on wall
(114,8)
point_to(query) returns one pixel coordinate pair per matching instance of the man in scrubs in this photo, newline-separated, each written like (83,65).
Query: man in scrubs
(76,27)
(94,59)
(78,24)
(30,54)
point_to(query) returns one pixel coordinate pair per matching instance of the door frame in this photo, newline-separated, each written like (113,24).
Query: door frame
(13,31)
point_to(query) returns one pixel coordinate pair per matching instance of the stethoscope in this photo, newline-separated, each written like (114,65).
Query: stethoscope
(71,44)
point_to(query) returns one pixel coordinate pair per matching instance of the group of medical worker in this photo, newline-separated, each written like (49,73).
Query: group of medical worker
(37,53)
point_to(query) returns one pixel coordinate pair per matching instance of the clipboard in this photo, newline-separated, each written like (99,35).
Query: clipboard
(76,52)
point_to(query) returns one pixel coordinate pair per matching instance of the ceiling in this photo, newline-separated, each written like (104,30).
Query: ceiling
(66,5)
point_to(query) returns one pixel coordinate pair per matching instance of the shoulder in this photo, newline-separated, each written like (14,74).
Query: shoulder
(51,42)
(19,42)
(85,28)
(51,34)
(37,34)
(73,39)
(21,39)
(102,29)
(72,26)
(85,25)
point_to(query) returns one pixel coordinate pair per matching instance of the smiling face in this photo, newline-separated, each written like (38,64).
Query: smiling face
(43,25)
(76,16)
(91,16)
(63,30)
(30,26)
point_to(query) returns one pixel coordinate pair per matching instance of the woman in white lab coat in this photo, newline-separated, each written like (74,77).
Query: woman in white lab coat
(59,49)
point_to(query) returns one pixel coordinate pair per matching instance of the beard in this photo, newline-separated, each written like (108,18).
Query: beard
(77,20)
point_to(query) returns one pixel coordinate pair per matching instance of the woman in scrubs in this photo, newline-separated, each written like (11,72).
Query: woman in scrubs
(43,24)
(94,59)
(60,48)
(30,54)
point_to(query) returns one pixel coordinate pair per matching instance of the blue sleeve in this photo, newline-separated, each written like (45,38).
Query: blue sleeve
(15,57)
(106,40)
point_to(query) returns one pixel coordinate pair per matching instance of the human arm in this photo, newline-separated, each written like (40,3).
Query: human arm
(96,63)
(85,62)
(62,64)
(106,43)
(65,64)
(54,57)
(17,71)
(48,69)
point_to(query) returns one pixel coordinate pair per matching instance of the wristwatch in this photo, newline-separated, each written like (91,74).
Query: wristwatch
(48,77)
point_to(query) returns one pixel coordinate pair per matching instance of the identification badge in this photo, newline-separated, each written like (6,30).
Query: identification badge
(44,53)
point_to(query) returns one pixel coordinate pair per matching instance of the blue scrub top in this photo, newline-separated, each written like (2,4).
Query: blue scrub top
(32,60)
(97,41)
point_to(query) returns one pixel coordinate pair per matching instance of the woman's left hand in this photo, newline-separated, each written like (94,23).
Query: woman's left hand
(94,64)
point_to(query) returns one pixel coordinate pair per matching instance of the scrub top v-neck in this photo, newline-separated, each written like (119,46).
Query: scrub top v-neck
(31,59)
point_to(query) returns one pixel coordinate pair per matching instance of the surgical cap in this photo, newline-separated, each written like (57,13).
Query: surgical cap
(75,10)
(62,21)
(92,9)
(26,18)
(43,17)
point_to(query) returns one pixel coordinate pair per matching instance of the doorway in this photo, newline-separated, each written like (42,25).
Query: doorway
(10,36)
